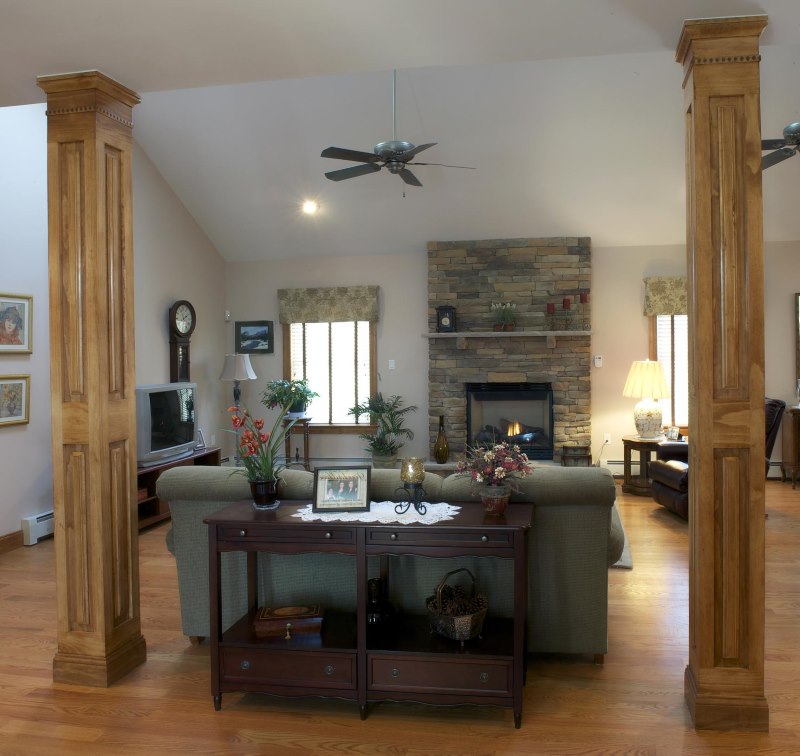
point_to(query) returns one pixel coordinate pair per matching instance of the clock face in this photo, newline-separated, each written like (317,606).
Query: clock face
(445,320)
(183,319)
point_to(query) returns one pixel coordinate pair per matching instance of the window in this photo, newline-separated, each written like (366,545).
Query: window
(338,359)
(669,344)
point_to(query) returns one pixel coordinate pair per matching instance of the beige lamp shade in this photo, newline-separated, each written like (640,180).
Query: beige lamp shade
(646,381)
(237,367)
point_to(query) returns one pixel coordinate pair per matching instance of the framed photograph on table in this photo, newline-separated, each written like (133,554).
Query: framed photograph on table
(15,400)
(255,337)
(341,489)
(16,320)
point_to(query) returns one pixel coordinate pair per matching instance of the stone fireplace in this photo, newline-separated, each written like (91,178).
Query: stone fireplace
(470,275)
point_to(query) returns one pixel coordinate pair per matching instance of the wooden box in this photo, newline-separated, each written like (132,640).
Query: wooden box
(286,621)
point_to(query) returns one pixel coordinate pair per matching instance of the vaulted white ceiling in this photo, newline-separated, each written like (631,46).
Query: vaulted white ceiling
(569,110)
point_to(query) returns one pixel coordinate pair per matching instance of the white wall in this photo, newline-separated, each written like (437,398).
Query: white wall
(25,454)
(403,297)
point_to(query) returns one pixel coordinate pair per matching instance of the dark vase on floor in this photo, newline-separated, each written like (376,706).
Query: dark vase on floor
(441,448)
(379,610)
(265,494)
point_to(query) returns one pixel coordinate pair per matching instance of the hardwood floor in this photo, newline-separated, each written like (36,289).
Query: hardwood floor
(632,704)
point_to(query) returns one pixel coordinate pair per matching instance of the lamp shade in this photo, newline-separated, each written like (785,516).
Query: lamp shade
(237,367)
(646,381)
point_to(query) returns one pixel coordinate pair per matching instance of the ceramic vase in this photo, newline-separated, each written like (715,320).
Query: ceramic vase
(495,499)
(264,494)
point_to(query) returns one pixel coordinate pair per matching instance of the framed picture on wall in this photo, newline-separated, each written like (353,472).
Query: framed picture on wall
(16,320)
(255,337)
(15,399)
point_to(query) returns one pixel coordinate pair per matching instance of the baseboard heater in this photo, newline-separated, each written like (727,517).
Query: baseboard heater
(36,527)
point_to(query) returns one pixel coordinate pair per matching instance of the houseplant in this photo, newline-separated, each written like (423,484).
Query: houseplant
(504,314)
(493,470)
(387,415)
(292,396)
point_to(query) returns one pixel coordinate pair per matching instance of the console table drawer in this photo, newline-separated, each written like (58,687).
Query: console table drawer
(275,533)
(288,668)
(420,674)
(438,537)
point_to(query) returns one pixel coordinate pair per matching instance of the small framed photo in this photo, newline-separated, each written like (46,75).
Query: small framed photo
(341,489)
(15,399)
(445,319)
(674,433)
(255,337)
(16,321)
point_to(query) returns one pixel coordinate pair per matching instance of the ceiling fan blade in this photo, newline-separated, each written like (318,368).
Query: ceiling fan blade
(341,153)
(415,150)
(409,177)
(352,172)
(776,157)
(444,165)
(772,144)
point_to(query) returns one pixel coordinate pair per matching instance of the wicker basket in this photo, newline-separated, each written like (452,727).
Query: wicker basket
(457,627)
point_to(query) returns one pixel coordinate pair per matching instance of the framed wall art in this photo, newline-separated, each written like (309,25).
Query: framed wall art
(15,400)
(255,337)
(16,321)
(341,489)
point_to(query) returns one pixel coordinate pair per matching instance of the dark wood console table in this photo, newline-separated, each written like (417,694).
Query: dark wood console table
(638,484)
(405,662)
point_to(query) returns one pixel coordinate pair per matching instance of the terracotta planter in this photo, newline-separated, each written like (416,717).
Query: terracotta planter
(498,326)
(508,326)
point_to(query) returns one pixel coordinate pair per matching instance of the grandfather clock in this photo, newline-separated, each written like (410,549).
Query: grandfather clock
(181,326)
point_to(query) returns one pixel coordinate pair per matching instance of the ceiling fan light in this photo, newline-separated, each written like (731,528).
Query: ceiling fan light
(310,207)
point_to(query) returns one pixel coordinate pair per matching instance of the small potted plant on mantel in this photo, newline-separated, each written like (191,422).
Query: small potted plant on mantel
(505,315)
(387,415)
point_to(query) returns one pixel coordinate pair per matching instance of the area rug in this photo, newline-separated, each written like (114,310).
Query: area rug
(625,561)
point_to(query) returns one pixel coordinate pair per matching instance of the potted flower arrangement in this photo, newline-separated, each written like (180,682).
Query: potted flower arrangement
(504,314)
(388,416)
(493,469)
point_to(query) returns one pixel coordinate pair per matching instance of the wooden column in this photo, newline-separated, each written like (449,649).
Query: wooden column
(724,681)
(92,377)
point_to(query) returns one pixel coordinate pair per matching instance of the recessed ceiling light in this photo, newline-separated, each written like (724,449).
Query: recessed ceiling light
(310,207)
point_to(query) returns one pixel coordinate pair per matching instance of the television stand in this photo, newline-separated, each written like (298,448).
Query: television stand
(152,509)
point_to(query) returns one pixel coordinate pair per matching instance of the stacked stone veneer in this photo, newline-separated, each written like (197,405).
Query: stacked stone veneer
(470,275)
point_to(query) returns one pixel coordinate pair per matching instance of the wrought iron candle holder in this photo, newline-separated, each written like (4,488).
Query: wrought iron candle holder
(412,473)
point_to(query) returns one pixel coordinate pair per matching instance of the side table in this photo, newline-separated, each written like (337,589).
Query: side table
(301,424)
(638,485)
(790,431)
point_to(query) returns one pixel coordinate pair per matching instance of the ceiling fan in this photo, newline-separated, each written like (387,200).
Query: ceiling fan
(783,148)
(394,155)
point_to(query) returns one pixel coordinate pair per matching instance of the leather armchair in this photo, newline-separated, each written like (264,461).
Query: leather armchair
(669,471)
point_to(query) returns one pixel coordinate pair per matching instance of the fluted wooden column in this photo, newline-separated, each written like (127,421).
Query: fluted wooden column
(724,681)
(92,377)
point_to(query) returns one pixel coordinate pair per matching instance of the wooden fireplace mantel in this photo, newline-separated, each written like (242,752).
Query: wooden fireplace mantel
(550,336)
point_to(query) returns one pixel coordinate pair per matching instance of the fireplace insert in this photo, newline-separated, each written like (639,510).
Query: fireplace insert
(519,413)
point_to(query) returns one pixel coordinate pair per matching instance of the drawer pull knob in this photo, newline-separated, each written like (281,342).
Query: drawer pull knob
(395,672)
(245,664)
(328,534)
(242,533)
(484,677)
(329,670)
(393,536)
(484,539)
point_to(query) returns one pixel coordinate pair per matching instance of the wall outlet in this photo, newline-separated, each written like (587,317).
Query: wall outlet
(606,438)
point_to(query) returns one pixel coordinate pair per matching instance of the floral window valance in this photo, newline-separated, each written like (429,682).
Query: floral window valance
(328,305)
(665,295)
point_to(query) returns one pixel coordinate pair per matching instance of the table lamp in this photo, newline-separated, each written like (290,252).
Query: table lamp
(237,368)
(646,381)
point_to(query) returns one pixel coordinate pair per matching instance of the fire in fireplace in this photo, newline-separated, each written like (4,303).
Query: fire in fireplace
(519,413)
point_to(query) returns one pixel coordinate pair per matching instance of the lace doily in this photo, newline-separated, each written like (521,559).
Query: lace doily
(382,512)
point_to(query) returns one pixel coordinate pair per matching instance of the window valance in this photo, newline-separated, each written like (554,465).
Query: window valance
(665,295)
(328,305)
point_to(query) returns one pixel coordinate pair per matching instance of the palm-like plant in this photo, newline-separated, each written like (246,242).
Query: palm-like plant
(388,416)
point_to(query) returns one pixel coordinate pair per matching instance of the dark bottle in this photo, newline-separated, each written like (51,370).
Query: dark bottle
(379,610)
(441,449)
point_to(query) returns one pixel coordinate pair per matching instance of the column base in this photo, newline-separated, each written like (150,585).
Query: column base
(717,712)
(99,671)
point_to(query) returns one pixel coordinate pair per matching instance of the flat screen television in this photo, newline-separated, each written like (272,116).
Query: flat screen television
(166,422)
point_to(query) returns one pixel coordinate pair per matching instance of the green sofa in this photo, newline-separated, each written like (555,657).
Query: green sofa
(576,536)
